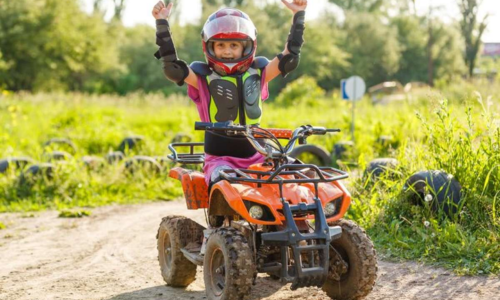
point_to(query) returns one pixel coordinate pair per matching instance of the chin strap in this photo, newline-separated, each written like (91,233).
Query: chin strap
(174,69)
(290,61)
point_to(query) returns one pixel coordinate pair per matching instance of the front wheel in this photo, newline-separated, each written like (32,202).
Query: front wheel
(353,264)
(228,266)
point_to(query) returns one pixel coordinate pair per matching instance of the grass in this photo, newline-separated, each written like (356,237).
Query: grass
(74,214)
(455,130)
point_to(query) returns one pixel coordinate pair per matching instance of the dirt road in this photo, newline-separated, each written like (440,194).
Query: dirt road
(112,255)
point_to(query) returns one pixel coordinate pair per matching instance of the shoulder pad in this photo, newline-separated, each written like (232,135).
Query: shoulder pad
(260,62)
(200,68)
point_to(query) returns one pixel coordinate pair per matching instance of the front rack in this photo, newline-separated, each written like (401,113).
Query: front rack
(323,174)
(186,158)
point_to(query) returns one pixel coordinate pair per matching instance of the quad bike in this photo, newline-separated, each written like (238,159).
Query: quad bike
(280,217)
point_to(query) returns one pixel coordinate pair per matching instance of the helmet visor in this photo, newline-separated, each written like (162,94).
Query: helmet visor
(230,27)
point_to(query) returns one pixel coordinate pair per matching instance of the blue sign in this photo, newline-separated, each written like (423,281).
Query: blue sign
(342,89)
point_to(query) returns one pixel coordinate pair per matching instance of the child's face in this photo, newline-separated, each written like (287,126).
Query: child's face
(230,50)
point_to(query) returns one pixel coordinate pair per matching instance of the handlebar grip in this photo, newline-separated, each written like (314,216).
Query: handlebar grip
(203,125)
(323,130)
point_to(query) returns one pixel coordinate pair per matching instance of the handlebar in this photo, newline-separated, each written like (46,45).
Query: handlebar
(254,132)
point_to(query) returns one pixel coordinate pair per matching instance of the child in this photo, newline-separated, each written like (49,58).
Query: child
(232,85)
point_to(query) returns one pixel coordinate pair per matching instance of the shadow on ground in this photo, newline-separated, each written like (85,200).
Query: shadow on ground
(160,292)
(265,287)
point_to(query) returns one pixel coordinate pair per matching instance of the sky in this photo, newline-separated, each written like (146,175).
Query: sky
(139,12)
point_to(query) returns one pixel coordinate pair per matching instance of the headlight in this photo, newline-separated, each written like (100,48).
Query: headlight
(330,209)
(256,212)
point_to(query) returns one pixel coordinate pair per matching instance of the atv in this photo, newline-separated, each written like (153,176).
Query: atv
(281,217)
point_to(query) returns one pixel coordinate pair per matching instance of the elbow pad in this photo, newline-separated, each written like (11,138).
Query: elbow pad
(174,69)
(288,63)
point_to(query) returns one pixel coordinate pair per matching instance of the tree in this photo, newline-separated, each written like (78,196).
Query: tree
(412,38)
(4,67)
(119,9)
(322,57)
(361,5)
(430,49)
(447,52)
(373,46)
(98,7)
(52,44)
(472,30)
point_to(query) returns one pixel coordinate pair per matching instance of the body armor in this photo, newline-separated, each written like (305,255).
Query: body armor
(235,98)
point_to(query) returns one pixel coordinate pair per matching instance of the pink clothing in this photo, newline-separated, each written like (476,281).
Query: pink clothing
(201,97)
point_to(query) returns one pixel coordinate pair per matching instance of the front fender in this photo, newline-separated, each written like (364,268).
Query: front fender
(232,197)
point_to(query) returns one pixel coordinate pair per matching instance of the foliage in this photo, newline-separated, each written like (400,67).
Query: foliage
(323,59)
(304,90)
(361,5)
(446,52)
(52,45)
(373,47)
(412,37)
(143,72)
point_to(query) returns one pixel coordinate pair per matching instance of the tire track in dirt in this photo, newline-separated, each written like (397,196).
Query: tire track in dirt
(112,255)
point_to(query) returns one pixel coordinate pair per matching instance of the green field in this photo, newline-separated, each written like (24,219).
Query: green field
(455,130)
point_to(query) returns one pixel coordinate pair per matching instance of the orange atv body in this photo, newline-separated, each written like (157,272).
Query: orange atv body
(197,196)
(280,217)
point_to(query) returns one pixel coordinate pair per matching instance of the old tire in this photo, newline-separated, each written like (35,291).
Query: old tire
(146,163)
(57,156)
(93,162)
(131,143)
(61,144)
(37,172)
(312,154)
(176,232)
(115,157)
(342,149)
(380,166)
(443,190)
(14,162)
(228,266)
(356,249)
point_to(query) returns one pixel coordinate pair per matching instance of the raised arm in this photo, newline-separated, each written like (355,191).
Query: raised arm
(288,60)
(175,70)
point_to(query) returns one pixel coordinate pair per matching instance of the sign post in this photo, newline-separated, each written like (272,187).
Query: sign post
(352,89)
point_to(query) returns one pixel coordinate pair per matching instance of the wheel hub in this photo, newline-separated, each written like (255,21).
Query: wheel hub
(338,266)
(167,249)
(218,272)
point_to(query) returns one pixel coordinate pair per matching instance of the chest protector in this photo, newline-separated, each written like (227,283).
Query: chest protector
(235,98)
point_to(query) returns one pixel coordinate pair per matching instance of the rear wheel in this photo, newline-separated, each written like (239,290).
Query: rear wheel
(228,266)
(312,154)
(353,264)
(176,232)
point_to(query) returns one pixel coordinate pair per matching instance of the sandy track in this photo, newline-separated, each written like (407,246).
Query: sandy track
(112,255)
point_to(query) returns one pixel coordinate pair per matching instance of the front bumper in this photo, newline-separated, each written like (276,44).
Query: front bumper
(317,246)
